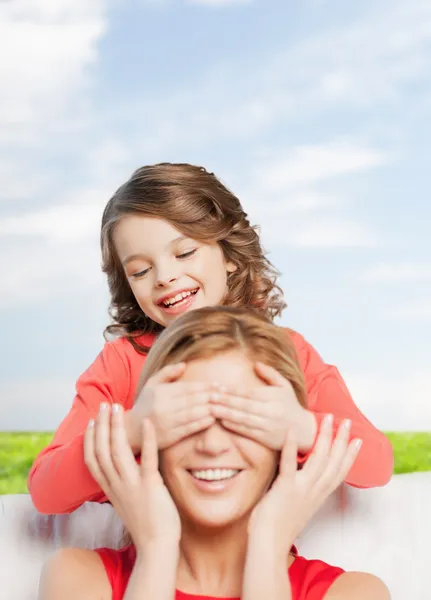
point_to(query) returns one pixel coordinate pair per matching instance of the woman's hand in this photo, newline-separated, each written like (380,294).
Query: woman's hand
(266,413)
(136,492)
(295,496)
(177,409)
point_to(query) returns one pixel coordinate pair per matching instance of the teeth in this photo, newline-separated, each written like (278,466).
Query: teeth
(177,298)
(215,474)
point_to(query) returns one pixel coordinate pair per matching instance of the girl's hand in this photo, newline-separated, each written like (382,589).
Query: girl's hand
(136,492)
(295,496)
(265,414)
(177,409)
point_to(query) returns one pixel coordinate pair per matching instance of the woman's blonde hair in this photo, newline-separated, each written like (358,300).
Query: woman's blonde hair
(209,331)
(195,202)
(206,332)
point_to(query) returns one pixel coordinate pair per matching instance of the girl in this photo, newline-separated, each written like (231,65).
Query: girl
(175,239)
(201,519)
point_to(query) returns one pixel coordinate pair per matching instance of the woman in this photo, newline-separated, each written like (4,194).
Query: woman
(215,514)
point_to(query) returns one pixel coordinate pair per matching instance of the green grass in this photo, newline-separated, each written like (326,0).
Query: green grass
(17,451)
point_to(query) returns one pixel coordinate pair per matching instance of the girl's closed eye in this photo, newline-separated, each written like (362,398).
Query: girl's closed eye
(140,273)
(187,254)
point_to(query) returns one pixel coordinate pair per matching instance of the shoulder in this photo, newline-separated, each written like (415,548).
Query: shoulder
(356,586)
(302,347)
(74,573)
(123,348)
(317,580)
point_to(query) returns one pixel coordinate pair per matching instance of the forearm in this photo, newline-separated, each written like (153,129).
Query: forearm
(266,574)
(154,574)
(59,481)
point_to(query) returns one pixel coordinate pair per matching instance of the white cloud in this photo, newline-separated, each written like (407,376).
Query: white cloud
(360,65)
(333,232)
(296,201)
(396,403)
(311,164)
(396,273)
(47,48)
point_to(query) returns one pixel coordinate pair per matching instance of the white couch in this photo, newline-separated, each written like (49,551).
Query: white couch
(386,531)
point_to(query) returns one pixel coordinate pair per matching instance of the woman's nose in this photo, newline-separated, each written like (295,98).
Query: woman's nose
(213,441)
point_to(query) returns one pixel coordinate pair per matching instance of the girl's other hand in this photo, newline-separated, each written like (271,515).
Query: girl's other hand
(177,409)
(136,492)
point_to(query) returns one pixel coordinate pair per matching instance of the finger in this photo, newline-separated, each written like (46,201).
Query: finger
(235,390)
(102,441)
(350,458)
(239,417)
(289,453)
(122,455)
(342,455)
(255,406)
(254,434)
(90,458)
(340,444)
(184,388)
(317,461)
(169,373)
(149,449)
(270,375)
(193,398)
(190,428)
(188,414)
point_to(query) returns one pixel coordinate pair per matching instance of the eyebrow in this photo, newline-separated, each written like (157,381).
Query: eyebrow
(139,255)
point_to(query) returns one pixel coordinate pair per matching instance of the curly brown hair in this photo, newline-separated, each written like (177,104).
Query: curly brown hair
(196,203)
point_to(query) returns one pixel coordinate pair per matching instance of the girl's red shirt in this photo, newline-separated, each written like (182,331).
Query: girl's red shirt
(59,481)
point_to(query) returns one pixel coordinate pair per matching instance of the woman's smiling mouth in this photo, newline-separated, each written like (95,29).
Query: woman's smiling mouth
(214,480)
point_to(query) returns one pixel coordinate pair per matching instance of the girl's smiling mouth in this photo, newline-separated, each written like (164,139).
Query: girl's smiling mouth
(177,302)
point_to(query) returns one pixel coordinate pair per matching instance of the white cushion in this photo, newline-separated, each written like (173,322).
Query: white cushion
(385,531)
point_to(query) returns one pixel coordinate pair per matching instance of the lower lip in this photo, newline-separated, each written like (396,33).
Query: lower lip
(215,487)
(181,307)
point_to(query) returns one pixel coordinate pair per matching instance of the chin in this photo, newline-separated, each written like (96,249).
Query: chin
(216,516)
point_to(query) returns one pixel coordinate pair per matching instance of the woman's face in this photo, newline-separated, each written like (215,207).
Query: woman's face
(169,273)
(216,477)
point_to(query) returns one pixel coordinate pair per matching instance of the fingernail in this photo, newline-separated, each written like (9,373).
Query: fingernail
(90,423)
(103,406)
(347,424)
(115,409)
(329,419)
(358,444)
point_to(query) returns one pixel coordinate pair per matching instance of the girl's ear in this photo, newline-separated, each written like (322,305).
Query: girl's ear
(231,267)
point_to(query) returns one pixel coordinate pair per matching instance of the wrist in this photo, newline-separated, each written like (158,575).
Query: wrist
(155,549)
(307,431)
(268,546)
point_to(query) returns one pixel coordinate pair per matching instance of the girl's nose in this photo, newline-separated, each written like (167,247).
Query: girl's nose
(165,275)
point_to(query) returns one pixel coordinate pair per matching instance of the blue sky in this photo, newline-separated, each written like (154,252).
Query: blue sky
(316,113)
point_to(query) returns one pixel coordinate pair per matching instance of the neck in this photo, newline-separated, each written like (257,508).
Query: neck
(212,560)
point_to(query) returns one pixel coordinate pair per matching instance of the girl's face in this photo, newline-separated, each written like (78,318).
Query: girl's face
(168,273)
(216,477)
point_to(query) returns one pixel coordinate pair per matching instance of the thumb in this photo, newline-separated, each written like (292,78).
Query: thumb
(169,373)
(269,375)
